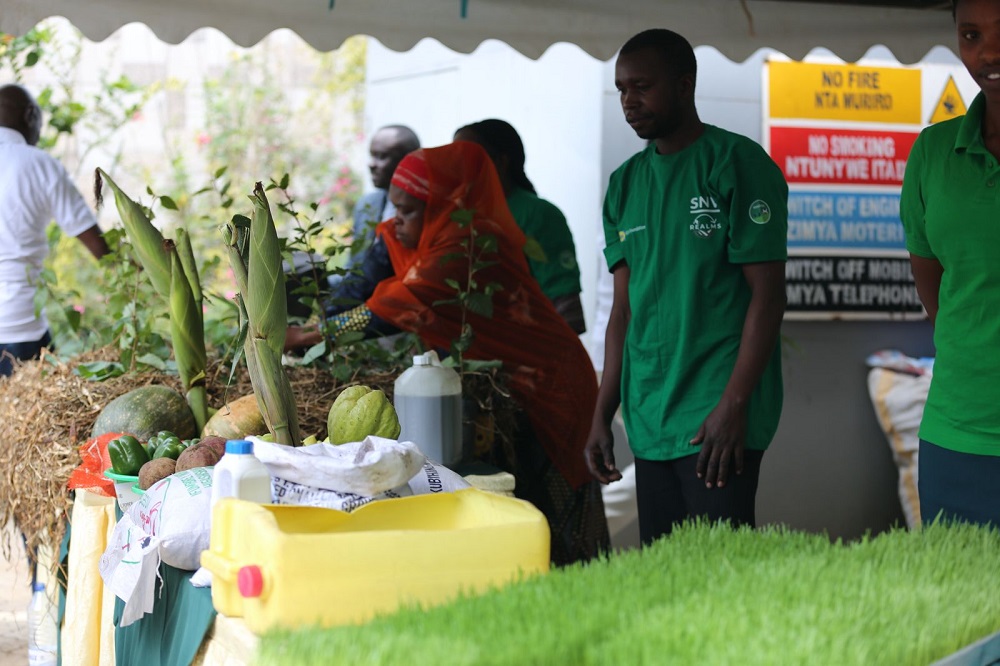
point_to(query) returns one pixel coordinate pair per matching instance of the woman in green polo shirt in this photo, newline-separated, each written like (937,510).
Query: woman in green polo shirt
(951,212)
(557,272)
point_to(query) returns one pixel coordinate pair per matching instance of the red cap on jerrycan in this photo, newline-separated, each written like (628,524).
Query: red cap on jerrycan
(250,581)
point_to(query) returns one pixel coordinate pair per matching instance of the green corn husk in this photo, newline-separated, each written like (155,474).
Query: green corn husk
(266,305)
(147,239)
(255,256)
(186,255)
(236,236)
(172,270)
(186,333)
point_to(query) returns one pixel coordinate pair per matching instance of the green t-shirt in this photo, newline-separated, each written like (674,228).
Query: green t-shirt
(684,223)
(950,209)
(559,274)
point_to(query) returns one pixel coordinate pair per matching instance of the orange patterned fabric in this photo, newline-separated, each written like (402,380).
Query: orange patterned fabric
(552,377)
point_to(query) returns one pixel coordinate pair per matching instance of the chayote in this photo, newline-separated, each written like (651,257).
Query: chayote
(360,411)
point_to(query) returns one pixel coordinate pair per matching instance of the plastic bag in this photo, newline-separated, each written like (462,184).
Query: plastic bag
(89,475)
(431,478)
(365,468)
(129,568)
(171,523)
(899,400)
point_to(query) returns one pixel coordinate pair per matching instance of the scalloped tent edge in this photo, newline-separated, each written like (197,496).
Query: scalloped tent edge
(736,28)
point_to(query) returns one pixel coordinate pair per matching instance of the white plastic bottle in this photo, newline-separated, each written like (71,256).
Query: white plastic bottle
(428,401)
(43,646)
(240,474)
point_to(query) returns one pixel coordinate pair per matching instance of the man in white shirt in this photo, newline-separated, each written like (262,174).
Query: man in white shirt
(34,190)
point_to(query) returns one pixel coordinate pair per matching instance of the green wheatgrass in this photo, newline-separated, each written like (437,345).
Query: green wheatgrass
(706,595)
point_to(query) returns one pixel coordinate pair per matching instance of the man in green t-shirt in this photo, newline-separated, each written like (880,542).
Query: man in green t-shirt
(950,208)
(696,229)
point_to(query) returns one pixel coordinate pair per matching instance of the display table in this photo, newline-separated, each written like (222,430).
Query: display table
(184,627)
(229,643)
(87,637)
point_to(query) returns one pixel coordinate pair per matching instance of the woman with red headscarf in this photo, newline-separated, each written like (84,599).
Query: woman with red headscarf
(441,195)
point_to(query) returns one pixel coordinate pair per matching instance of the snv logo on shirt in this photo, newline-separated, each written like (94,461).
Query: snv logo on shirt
(704,222)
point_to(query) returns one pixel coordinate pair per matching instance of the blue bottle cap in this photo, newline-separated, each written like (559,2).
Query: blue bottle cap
(239,446)
(38,586)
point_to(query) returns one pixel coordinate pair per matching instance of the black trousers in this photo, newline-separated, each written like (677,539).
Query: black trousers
(22,351)
(958,487)
(669,492)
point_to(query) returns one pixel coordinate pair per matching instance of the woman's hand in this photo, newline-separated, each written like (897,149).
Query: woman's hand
(299,337)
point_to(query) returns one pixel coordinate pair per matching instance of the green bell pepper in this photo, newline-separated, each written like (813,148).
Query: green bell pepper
(169,447)
(154,442)
(127,455)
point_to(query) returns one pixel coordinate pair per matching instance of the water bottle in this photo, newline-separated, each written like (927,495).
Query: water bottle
(428,401)
(43,645)
(240,474)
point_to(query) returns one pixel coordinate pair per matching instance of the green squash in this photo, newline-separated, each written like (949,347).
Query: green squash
(358,412)
(145,411)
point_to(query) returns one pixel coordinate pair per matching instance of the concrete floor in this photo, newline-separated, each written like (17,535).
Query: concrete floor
(15,594)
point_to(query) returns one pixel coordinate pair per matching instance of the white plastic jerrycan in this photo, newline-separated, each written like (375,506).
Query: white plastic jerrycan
(428,401)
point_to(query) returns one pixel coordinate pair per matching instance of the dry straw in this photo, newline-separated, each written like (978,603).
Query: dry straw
(47,412)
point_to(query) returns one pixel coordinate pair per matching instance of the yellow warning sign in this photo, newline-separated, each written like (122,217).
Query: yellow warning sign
(844,92)
(950,104)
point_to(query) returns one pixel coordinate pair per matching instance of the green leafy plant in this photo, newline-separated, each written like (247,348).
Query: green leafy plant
(470,295)
(68,112)
(89,305)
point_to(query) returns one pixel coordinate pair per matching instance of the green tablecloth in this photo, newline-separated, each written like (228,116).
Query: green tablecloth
(172,634)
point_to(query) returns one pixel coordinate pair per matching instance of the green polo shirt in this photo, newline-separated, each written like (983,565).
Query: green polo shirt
(558,274)
(685,223)
(950,209)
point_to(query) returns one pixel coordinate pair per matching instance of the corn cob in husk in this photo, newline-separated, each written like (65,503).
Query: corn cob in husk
(187,335)
(146,239)
(172,270)
(186,254)
(255,256)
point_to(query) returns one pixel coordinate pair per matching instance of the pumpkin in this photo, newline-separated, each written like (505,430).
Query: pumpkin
(145,411)
(360,411)
(236,420)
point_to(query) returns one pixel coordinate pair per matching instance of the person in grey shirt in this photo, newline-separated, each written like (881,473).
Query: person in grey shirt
(388,146)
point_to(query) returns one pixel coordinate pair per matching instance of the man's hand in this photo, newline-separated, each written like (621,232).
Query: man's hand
(600,456)
(722,435)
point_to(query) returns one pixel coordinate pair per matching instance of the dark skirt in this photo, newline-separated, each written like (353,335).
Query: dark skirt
(576,517)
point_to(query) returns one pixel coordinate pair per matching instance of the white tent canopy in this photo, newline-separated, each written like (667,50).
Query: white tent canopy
(735,27)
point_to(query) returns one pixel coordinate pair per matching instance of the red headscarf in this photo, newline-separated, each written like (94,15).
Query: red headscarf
(411,175)
(551,374)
